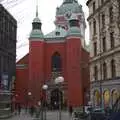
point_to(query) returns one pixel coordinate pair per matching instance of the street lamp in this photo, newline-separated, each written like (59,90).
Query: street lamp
(58,82)
(29,95)
(45,87)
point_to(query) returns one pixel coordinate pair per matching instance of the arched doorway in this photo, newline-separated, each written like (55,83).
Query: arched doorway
(106,97)
(56,98)
(96,98)
(115,96)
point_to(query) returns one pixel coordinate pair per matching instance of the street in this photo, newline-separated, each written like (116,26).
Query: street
(51,115)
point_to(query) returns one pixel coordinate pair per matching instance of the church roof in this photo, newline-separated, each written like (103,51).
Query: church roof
(24,60)
(57,33)
(74,31)
(69,6)
(36,33)
(36,20)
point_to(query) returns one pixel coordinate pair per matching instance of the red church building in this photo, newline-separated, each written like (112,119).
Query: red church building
(60,53)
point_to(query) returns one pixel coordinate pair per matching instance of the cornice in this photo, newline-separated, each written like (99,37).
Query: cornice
(97,10)
(105,54)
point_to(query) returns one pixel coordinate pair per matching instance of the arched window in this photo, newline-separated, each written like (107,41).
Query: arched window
(115,96)
(104,71)
(106,97)
(113,69)
(56,64)
(96,98)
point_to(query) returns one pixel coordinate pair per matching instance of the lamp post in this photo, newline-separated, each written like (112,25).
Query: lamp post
(45,87)
(58,82)
(29,95)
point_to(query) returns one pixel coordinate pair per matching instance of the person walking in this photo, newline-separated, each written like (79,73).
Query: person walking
(19,108)
(70,110)
(32,110)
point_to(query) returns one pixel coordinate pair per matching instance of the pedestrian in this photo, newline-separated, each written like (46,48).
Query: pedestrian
(32,110)
(70,110)
(19,108)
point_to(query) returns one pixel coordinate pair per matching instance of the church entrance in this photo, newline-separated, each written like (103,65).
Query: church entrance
(56,98)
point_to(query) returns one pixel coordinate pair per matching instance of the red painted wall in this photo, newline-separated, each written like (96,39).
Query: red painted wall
(74,58)
(50,49)
(21,83)
(36,69)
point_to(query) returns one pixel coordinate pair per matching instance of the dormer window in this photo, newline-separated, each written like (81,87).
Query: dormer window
(57,33)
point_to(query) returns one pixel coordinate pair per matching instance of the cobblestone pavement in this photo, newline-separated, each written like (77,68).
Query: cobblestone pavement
(51,115)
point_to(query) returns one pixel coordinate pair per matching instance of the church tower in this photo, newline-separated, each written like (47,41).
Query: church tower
(64,12)
(73,58)
(36,58)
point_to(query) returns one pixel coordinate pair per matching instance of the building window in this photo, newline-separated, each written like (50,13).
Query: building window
(57,33)
(93,6)
(95,73)
(56,62)
(95,48)
(102,1)
(113,69)
(104,44)
(112,40)
(111,14)
(104,71)
(103,20)
(118,7)
(94,27)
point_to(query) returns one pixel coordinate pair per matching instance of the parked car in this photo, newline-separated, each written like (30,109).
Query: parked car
(98,114)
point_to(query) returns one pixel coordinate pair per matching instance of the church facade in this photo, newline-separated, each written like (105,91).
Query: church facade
(59,53)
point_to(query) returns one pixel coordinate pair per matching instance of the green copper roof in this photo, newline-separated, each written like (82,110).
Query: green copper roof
(74,31)
(69,6)
(36,20)
(57,33)
(36,33)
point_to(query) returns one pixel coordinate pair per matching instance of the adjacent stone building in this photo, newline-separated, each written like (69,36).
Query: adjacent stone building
(61,52)
(8,27)
(104,24)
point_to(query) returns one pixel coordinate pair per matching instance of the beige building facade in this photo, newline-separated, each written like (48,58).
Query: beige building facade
(104,25)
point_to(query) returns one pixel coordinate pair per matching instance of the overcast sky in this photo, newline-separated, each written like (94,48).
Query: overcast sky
(24,12)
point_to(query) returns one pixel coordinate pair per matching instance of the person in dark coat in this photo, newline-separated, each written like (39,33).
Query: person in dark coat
(32,110)
(19,109)
(70,110)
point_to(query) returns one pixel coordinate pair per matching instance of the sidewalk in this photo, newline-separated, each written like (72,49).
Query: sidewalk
(22,116)
(51,115)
